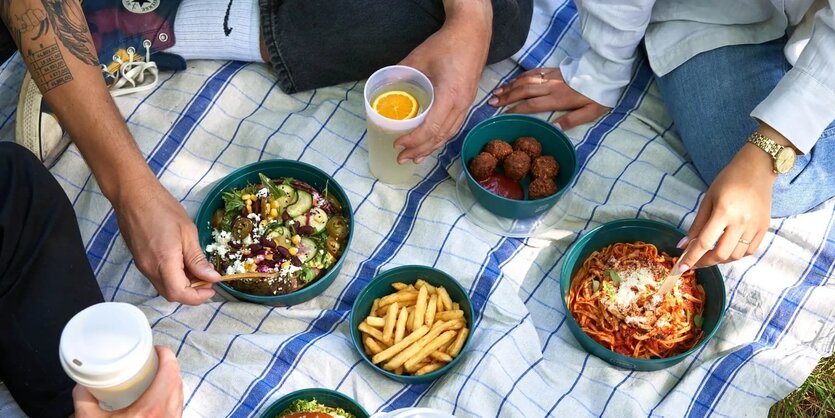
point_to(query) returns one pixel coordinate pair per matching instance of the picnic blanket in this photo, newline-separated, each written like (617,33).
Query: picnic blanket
(200,124)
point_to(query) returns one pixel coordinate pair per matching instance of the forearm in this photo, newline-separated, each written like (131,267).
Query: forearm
(474,14)
(55,43)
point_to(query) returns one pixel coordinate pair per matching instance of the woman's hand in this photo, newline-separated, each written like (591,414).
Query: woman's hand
(544,90)
(734,215)
(164,398)
(163,241)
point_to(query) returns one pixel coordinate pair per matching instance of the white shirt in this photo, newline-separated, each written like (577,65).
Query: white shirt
(800,107)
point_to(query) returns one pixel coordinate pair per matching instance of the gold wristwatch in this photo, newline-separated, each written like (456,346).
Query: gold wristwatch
(784,157)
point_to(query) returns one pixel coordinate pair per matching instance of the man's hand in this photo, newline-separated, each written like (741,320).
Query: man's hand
(453,58)
(164,398)
(544,90)
(163,240)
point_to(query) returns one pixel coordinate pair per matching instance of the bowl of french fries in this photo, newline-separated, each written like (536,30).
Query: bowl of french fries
(412,323)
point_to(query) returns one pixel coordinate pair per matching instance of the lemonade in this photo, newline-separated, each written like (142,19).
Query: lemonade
(396,101)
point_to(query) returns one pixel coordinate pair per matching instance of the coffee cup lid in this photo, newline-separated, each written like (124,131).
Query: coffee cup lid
(105,344)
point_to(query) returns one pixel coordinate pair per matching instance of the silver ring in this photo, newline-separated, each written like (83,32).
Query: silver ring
(744,241)
(541,77)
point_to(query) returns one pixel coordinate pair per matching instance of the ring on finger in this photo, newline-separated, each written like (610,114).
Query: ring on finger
(541,77)
(744,241)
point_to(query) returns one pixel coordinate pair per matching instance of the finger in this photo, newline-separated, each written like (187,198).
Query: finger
(702,216)
(725,246)
(549,73)
(741,249)
(523,91)
(430,132)
(755,242)
(175,285)
(195,259)
(453,129)
(585,114)
(535,105)
(167,384)
(83,402)
(704,242)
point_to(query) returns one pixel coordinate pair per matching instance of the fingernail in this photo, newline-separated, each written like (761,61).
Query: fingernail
(683,268)
(419,160)
(558,125)
(497,91)
(494,101)
(683,242)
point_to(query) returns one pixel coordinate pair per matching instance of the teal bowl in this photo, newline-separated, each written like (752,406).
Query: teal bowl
(325,397)
(381,286)
(509,127)
(664,237)
(275,168)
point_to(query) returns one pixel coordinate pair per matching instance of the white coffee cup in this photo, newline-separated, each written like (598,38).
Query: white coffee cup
(108,348)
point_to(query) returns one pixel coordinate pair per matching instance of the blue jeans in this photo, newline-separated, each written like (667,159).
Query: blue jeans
(710,98)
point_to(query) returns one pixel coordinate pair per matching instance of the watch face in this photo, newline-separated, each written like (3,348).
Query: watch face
(785,160)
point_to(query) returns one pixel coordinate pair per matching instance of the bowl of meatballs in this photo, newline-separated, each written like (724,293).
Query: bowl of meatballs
(518,166)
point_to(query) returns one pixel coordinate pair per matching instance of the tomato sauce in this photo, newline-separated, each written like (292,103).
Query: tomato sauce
(502,185)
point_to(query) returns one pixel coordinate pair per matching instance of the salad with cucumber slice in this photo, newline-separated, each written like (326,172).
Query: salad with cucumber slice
(283,226)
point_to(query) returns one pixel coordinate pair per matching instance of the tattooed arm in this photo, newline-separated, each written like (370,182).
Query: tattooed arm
(54,41)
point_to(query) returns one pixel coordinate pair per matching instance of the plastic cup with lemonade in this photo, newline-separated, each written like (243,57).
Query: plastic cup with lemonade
(108,348)
(397,99)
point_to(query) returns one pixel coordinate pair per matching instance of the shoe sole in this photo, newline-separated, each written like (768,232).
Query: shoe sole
(35,129)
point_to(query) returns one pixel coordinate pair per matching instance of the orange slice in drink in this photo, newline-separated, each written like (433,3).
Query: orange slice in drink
(396,104)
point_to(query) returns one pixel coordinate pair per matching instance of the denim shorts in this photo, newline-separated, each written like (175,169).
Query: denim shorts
(318,43)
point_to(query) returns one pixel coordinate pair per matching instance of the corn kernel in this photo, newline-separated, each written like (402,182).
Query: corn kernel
(273,203)
(249,208)
(273,213)
(247,197)
(293,250)
(264,222)
(268,256)
(267,208)
(296,239)
(285,264)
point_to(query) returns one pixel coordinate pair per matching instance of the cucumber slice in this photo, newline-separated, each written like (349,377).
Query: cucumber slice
(290,196)
(307,249)
(318,219)
(302,205)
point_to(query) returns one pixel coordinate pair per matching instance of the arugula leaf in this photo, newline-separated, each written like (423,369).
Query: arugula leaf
(614,275)
(274,190)
(698,320)
(595,285)
(232,205)
(307,274)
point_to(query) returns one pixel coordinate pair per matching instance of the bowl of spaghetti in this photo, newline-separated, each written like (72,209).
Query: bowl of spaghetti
(608,281)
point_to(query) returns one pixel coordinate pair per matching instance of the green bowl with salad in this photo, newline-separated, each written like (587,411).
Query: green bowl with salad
(284,224)
(315,402)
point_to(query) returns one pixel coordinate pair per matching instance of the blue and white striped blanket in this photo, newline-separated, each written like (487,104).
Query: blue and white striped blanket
(202,123)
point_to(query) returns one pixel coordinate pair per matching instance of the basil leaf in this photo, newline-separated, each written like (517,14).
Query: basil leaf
(698,320)
(614,275)
(274,190)
(595,285)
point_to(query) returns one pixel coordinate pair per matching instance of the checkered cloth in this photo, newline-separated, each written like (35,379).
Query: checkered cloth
(198,125)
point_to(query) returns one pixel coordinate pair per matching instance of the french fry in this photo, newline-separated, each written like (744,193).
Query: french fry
(445,348)
(410,320)
(455,306)
(455,348)
(401,297)
(373,332)
(420,307)
(399,286)
(444,299)
(398,347)
(372,346)
(413,349)
(399,370)
(429,368)
(375,321)
(430,310)
(441,356)
(449,315)
(400,327)
(391,319)
(425,362)
(411,364)
(429,288)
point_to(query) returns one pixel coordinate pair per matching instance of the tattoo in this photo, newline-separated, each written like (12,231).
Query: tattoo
(68,23)
(48,68)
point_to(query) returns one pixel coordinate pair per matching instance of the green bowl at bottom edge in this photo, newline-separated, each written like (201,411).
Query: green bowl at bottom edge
(325,397)
(664,237)
(381,286)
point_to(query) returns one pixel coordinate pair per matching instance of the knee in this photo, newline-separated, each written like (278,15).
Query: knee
(22,171)
(511,23)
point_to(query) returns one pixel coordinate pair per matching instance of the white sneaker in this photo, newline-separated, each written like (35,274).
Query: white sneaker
(39,130)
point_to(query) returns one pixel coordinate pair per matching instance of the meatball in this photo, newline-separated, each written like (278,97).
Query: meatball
(483,165)
(545,167)
(529,145)
(541,188)
(500,149)
(516,165)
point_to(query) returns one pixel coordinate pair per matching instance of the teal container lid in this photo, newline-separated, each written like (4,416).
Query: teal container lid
(325,397)
(509,127)
(664,237)
(381,286)
(248,174)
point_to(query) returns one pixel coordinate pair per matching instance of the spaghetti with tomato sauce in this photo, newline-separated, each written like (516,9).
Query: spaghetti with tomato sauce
(613,299)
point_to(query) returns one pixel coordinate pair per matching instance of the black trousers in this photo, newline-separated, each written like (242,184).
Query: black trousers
(45,279)
(318,43)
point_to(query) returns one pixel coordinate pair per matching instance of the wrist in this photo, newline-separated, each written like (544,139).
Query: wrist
(756,162)
(471,15)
